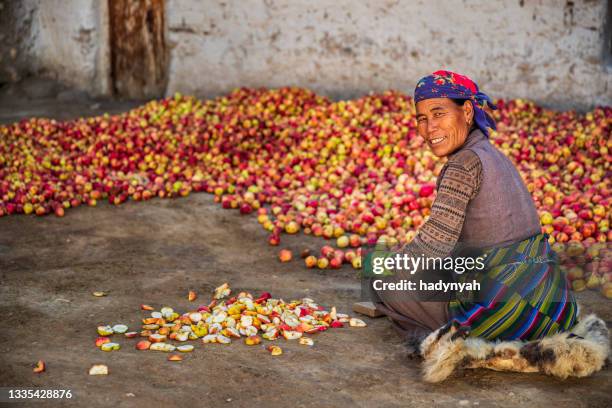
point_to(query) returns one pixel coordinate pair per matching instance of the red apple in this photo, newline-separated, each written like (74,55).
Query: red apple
(285,255)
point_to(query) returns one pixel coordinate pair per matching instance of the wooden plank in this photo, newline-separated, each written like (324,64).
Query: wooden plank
(138,49)
(367,309)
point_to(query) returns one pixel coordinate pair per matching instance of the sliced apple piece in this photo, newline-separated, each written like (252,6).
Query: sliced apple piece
(98,369)
(39,367)
(143,345)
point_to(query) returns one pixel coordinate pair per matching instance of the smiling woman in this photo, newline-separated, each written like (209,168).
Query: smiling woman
(444,124)
(482,207)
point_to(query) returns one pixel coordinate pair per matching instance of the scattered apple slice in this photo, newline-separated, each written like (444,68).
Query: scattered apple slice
(291,335)
(209,338)
(40,367)
(221,339)
(120,328)
(110,347)
(306,341)
(102,340)
(222,291)
(275,350)
(252,340)
(195,317)
(175,357)
(186,348)
(165,347)
(157,338)
(105,330)
(182,336)
(98,369)
(143,345)
(354,322)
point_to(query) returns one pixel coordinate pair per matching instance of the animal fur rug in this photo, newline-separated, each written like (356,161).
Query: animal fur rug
(576,353)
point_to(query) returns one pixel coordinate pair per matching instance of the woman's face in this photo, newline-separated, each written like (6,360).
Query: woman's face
(443,124)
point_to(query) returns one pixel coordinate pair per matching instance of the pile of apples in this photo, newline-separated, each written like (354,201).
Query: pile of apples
(350,171)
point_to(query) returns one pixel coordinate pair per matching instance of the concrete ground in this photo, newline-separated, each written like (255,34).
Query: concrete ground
(154,252)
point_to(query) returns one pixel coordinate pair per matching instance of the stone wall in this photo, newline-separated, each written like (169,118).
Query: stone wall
(547,50)
(64,40)
(552,51)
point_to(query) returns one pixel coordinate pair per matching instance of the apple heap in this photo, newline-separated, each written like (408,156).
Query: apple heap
(565,160)
(349,171)
(589,268)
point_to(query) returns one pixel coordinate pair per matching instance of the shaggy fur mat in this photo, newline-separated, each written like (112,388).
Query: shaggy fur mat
(577,353)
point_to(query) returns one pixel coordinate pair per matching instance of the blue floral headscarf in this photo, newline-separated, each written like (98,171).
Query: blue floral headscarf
(446,84)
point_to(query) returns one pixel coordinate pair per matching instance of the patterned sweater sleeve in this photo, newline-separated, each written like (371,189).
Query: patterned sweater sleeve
(458,183)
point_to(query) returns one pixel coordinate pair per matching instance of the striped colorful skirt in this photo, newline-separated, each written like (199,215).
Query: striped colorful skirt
(523,294)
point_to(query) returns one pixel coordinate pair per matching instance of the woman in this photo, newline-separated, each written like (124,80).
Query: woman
(482,207)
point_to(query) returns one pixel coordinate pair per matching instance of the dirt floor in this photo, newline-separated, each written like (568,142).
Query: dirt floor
(154,252)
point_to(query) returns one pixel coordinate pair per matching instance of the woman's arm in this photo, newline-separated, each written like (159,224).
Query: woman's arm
(458,184)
